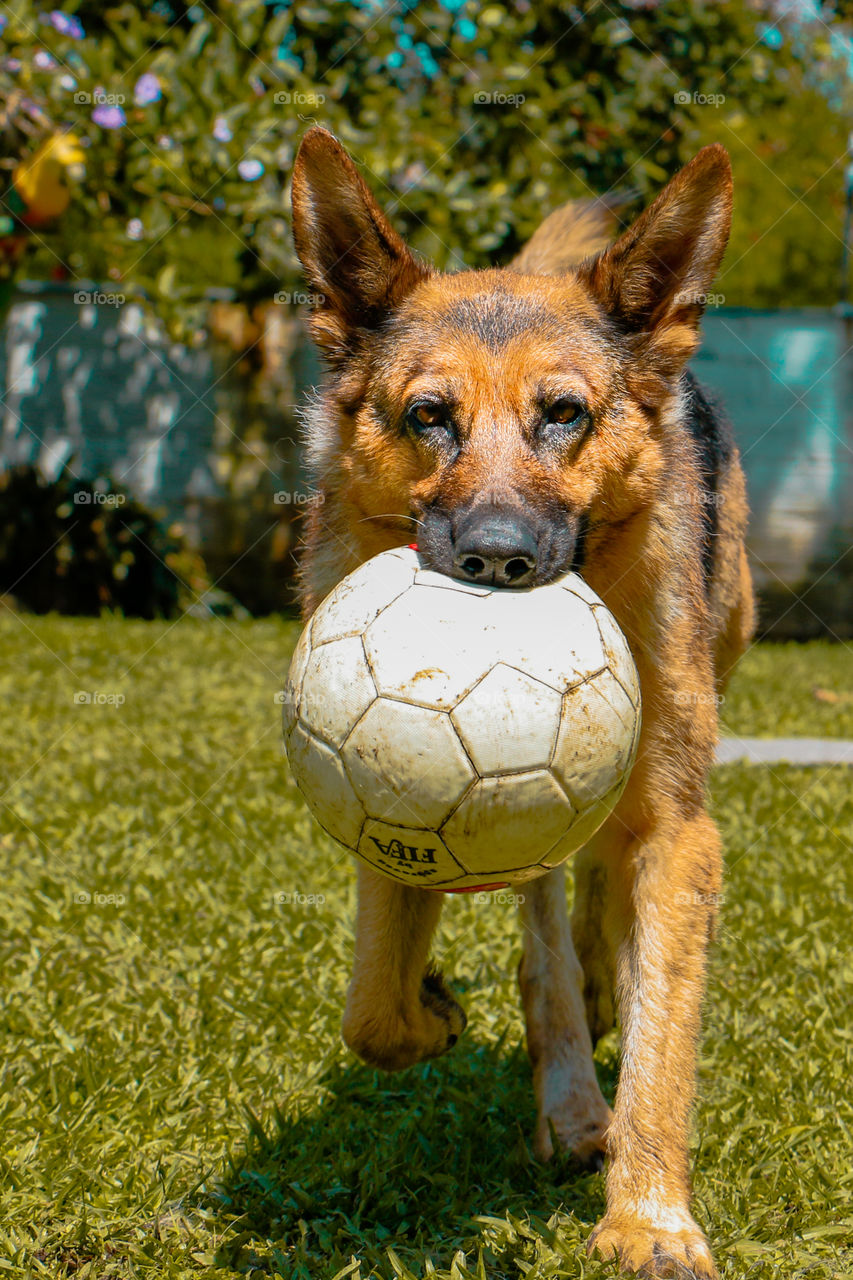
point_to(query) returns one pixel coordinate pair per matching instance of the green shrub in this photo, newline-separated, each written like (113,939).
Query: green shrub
(79,547)
(470,121)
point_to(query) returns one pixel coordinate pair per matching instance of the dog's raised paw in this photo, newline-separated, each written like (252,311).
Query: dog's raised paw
(394,1038)
(437,1000)
(645,1250)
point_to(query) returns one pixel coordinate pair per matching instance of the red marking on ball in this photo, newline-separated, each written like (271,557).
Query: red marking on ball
(472,888)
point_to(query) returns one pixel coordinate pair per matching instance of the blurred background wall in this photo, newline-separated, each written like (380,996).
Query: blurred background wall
(208,436)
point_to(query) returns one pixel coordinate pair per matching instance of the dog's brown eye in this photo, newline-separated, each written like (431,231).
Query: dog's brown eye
(565,413)
(426,416)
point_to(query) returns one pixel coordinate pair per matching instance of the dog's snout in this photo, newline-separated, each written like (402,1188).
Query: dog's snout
(496,548)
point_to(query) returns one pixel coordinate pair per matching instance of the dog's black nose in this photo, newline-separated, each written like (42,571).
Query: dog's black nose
(495,547)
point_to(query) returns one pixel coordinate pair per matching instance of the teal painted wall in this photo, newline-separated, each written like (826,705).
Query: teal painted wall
(786,379)
(98,385)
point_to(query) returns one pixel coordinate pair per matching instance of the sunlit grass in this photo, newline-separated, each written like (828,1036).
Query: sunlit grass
(176,1100)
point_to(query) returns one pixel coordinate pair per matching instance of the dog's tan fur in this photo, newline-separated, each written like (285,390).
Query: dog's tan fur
(616,328)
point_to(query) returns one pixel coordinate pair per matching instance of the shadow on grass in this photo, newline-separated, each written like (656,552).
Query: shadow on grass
(406,1161)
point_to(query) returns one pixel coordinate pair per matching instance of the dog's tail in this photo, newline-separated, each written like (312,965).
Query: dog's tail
(575,231)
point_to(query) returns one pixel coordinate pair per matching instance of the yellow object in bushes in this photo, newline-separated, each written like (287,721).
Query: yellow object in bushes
(42,179)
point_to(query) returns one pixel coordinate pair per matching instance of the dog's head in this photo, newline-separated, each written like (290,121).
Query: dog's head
(499,415)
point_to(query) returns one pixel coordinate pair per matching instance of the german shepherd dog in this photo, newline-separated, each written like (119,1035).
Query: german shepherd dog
(519,423)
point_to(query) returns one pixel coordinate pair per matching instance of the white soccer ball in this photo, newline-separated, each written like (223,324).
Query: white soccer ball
(455,735)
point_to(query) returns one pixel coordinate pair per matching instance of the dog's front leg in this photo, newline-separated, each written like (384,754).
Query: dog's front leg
(671,883)
(399,1010)
(568,1098)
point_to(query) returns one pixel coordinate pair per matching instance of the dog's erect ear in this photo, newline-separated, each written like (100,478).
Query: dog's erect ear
(655,279)
(352,257)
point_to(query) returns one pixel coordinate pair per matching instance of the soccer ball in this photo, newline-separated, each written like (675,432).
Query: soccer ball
(453,734)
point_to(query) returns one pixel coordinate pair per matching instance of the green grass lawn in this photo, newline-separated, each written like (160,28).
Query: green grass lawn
(782,690)
(176,1099)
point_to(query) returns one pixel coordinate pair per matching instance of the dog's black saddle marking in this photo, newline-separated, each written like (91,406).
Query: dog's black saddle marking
(713,442)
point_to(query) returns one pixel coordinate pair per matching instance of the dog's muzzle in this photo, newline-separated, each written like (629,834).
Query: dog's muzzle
(501,545)
(495,547)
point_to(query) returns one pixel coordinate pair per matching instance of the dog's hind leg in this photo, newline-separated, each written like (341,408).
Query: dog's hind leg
(596,930)
(399,1010)
(568,1098)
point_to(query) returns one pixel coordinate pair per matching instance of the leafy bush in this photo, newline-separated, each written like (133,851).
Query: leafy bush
(785,248)
(471,121)
(76,547)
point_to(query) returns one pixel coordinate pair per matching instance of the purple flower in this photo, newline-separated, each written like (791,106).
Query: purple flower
(4,22)
(44,60)
(250,170)
(66,24)
(147,89)
(109,117)
(222,130)
(134,229)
